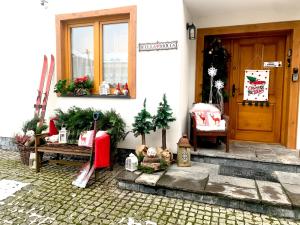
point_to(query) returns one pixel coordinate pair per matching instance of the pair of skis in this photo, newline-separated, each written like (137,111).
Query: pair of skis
(40,110)
(40,106)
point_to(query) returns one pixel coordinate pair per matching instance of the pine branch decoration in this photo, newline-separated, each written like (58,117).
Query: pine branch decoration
(142,123)
(162,119)
(164,115)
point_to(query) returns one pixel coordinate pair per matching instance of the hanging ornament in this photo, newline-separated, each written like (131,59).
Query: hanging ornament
(220,85)
(212,71)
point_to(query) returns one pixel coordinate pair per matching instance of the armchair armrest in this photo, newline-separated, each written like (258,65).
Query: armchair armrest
(226,118)
(193,119)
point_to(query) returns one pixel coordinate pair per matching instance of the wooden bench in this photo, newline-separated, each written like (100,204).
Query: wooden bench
(64,149)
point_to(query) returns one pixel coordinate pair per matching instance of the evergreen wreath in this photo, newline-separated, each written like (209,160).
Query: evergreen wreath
(217,56)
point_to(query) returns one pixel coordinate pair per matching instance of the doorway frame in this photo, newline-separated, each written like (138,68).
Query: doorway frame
(289,120)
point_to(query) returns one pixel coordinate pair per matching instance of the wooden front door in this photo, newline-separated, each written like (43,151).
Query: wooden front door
(250,122)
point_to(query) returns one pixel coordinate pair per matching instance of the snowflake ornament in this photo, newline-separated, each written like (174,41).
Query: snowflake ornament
(219,84)
(212,71)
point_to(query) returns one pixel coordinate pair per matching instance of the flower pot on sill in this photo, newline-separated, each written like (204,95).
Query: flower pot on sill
(82,92)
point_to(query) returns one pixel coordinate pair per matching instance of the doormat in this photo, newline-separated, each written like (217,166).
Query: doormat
(9,187)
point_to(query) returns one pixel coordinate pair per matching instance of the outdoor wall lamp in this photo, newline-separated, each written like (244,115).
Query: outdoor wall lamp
(44,3)
(191,31)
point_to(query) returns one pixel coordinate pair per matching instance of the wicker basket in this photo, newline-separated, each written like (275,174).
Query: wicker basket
(25,153)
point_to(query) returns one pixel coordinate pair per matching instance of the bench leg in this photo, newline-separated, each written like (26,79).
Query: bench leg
(37,161)
(195,142)
(96,174)
(227,143)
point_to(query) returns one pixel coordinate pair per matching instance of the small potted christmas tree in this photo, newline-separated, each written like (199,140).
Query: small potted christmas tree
(142,125)
(161,121)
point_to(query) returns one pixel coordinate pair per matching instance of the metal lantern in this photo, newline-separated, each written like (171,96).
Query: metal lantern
(184,152)
(191,31)
(104,88)
(131,163)
(63,136)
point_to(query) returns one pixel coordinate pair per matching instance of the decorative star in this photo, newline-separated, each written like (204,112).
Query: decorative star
(219,84)
(212,71)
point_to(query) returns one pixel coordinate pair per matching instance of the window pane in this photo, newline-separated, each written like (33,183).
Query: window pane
(115,53)
(82,44)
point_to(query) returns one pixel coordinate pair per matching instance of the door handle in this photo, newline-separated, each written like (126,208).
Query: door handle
(233,90)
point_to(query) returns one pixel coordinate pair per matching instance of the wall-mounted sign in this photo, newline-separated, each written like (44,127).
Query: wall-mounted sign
(273,64)
(256,85)
(156,46)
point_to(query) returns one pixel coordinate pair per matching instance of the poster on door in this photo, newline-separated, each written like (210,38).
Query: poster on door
(256,85)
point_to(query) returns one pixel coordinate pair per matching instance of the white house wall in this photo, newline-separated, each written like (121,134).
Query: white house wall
(28,32)
(187,72)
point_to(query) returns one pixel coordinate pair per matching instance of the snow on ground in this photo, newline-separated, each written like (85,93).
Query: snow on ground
(9,187)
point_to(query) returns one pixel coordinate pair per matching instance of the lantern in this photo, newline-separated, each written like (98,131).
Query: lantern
(63,136)
(104,88)
(191,31)
(131,163)
(183,152)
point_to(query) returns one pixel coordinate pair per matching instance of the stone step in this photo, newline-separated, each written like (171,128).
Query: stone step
(233,187)
(291,184)
(201,182)
(272,193)
(149,179)
(192,178)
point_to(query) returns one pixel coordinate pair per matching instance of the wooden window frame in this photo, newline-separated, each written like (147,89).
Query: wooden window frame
(96,19)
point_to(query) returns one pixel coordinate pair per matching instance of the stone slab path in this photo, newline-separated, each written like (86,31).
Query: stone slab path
(272,193)
(149,179)
(203,179)
(254,152)
(50,198)
(291,184)
(185,178)
(233,187)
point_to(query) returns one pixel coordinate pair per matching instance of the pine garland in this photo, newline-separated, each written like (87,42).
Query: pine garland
(33,125)
(77,120)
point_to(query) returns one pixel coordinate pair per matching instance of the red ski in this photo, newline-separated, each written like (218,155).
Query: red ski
(88,168)
(41,87)
(46,93)
(84,175)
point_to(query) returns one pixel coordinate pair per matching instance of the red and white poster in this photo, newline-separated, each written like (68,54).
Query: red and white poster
(256,85)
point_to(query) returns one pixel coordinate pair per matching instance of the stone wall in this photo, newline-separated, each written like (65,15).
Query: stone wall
(7,143)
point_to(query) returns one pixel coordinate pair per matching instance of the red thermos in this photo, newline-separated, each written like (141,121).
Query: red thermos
(102,151)
(52,128)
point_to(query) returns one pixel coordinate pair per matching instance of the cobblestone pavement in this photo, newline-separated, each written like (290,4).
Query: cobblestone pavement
(51,199)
